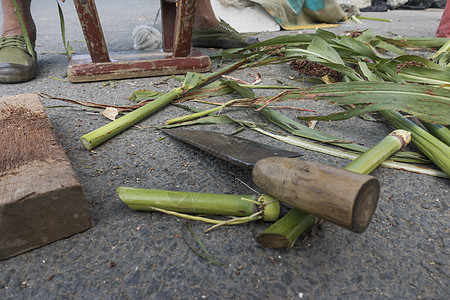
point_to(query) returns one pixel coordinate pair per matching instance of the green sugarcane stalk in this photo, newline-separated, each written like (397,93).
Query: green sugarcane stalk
(286,230)
(374,19)
(437,151)
(198,114)
(439,131)
(369,161)
(104,133)
(182,203)
(352,156)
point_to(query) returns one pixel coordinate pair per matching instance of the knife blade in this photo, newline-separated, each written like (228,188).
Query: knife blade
(236,150)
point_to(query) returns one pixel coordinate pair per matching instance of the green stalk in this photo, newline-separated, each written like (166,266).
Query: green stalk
(437,151)
(284,233)
(104,133)
(192,81)
(439,131)
(352,156)
(199,203)
(271,87)
(286,230)
(198,114)
(373,19)
(371,159)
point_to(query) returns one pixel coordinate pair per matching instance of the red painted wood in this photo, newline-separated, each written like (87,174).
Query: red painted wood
(168,17)
(124,66)
(92,30)
(183,27)
(177,23)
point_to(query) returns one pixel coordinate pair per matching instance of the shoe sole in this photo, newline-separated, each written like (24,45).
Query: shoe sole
(15,73)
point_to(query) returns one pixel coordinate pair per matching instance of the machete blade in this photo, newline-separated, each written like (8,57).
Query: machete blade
(236,150)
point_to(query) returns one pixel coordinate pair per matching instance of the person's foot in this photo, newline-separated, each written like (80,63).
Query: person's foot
(16,62)
(220,36)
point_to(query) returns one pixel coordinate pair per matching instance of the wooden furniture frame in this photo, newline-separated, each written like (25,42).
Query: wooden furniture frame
(176,57)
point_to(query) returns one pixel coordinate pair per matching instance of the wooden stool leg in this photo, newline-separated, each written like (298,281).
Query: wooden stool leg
(92,29)
(178,56)
(168,17)
(183,27)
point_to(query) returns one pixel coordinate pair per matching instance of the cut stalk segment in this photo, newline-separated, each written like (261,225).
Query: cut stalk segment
(368,161)
(179,203)
(284,233)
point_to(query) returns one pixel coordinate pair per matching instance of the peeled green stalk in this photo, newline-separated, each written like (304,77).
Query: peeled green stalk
(432,147)
(198,114)
(104,133)
(286,230)
(192,81)
(200,203)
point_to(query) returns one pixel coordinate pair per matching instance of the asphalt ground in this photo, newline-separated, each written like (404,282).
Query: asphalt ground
(404,253)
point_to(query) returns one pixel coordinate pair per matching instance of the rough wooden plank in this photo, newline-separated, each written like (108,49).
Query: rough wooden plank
(41,199)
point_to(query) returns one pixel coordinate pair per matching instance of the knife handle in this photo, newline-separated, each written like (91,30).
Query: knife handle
(345,198)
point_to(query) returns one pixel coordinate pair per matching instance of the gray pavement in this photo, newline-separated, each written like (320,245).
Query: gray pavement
(404,254)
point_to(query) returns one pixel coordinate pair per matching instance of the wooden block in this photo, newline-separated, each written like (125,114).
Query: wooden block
(41,199)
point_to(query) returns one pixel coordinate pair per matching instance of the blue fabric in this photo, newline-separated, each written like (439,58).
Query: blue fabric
(314,5)
(297,5)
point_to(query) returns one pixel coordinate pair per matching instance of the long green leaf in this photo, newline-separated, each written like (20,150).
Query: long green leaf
(427,103)
(388,47)
(416,42)
(245,92)
(365,70)
(67,47)
(358,48)
(301,130)
(321,48)
(202,252)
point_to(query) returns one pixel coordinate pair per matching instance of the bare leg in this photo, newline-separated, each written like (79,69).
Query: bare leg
(11,24)
(444,26)
(204,15)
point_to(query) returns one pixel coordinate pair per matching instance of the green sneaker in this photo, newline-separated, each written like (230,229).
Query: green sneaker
(220,36)
(16,63)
